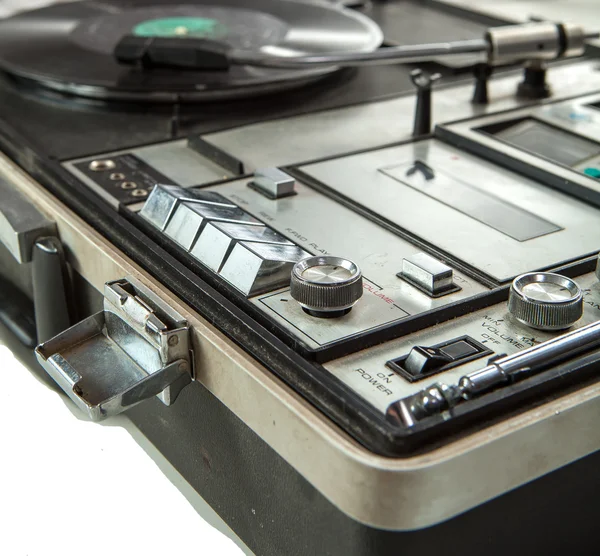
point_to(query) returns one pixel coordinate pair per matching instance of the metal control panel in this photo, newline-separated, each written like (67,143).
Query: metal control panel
(399,274)
(489,229)
(494,329)
(558,143)
(297,227)
(413,261)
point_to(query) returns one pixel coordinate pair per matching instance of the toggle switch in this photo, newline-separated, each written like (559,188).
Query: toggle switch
(424,361)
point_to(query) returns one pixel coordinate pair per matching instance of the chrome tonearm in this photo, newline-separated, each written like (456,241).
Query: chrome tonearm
(536,41)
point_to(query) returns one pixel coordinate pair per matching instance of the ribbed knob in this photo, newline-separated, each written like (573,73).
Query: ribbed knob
(545,300)
(326,286)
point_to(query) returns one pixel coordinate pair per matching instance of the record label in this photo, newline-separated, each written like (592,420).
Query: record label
(198,27)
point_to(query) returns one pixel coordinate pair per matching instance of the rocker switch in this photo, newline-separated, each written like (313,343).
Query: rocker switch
(423,361)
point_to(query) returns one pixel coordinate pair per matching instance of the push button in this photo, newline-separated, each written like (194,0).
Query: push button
(255,268)
(423,361)
(190,218)
(428,274)
(164,199)
(218,239)
(273,183)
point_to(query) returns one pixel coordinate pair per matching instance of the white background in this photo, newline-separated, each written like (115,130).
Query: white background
(70,487)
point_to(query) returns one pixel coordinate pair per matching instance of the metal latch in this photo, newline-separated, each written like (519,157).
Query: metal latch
(136,348)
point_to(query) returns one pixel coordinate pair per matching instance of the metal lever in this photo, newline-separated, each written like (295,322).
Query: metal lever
(423,82)
(136,348)
(503,45)
(51,289)
(504,370)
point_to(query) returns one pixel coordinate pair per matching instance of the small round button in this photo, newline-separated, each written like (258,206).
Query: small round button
(545,301)
(326,286)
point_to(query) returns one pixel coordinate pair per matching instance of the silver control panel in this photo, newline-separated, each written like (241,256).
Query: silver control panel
(299,226)
(560,141)
(495,328)
(491,218)
(442,258)
(513,225)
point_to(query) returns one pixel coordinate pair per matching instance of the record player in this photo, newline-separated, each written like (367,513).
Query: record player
(338,263)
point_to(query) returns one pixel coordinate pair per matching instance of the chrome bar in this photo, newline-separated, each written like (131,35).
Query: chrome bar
(439,397)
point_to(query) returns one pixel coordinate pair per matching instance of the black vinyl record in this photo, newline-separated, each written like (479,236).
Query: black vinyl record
(69,47)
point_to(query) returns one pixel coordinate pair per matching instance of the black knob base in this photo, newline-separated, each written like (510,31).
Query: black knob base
(327,314)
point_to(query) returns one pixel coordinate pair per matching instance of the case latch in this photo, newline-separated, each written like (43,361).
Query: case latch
(136,348)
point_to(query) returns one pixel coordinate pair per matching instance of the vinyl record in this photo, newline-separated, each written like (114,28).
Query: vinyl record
(69,47)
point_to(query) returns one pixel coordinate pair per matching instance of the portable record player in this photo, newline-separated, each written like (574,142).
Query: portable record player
(238,224)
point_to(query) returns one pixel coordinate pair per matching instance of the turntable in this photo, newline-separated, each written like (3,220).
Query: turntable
(350,253)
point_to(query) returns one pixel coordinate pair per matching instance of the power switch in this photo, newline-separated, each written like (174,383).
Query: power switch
(459,350)
(424,361)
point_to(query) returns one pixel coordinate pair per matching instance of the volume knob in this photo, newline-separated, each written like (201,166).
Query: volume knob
(545,300)
(326,286)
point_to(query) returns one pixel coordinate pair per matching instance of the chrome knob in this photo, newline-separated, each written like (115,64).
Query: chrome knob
(598,267)
(545,300)
(326,286)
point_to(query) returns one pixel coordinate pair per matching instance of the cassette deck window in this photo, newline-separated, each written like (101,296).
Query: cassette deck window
(545,140)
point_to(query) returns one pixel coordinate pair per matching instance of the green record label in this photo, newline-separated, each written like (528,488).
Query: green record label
(195,27)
